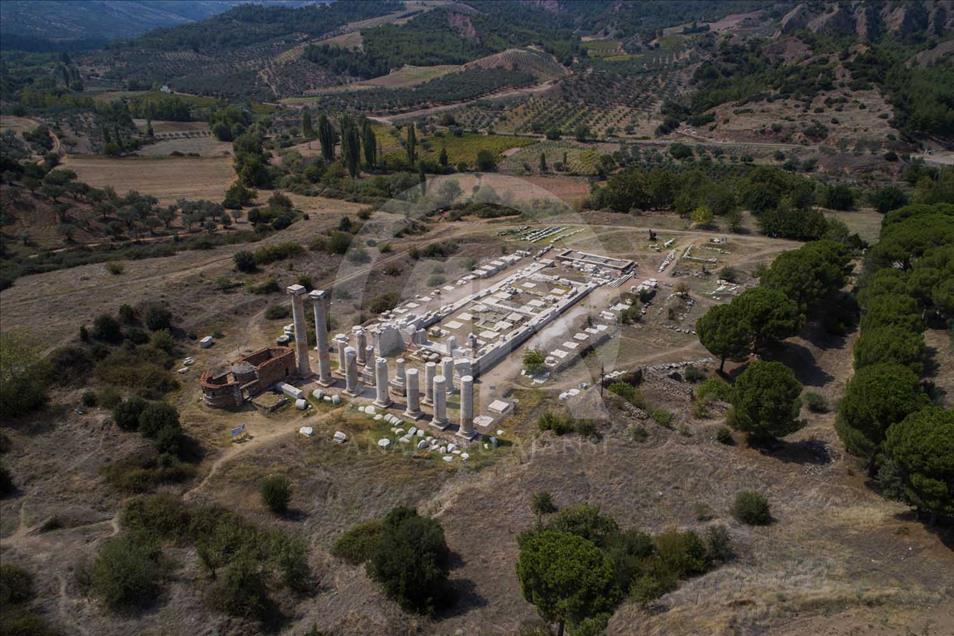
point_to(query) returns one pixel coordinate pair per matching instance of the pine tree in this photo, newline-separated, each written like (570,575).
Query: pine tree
(442,158)
(326,137)
(543,162)
(411,146)
(306,126)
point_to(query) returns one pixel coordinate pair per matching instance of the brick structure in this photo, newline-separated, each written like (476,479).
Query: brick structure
(247,377)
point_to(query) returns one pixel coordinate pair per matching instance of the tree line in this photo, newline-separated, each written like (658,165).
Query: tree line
(889,415)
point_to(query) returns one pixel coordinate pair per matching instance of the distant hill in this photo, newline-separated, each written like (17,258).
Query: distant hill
(71,24)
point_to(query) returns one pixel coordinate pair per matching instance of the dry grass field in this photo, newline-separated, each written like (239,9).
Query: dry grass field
(168,179)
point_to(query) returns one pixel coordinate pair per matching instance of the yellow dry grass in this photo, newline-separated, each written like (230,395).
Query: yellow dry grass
(167,179)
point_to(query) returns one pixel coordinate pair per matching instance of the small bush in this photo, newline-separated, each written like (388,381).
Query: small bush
(357,544)
(628,392)
(89,399)
(384,302)
(276,493)
(718,545)
(269,286)
(816,402)
(108,397)
(127,572)
(16,585)
(694,374)
(242,590)
(638,434)
(559,423)
(115,268)
(662,417)
(157,317)
(716,389)
(245,261)
(724,436)
(126,414)
(751,508)
(277,312)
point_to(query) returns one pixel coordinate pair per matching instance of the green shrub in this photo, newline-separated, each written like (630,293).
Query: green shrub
(724,436)
(682,553)
(244,261)
(662,417)
(16,585)
(628,392)
(694,374)
(108,397)
(718,545)
(751,508)
(276,493)
(157,317)
(156,417)
(127,573)
(638,433)
(107,329)
(411,561)
(534,361)
(89,399)
(384,302)
(24,375)
(126,414)
(268,286)
(161,517)
(277,312)
(357,544)
(242,590)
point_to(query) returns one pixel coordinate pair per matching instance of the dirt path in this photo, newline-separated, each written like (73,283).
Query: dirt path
(255,441)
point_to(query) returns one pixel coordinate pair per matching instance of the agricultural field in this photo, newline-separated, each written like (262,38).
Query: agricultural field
(464,148)
(168,179)
(579,159)
(612,49)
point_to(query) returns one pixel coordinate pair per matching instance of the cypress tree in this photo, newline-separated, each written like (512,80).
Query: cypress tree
(370,143)
(306,126)
(326,137)
(411,145)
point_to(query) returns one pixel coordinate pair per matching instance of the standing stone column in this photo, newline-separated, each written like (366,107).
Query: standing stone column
(440,403)
(451,345)
(351,371)
(319,300)
(341,341)
(361,344)
(466,407)
(381,383)
(369,356)
(399,381)
(297,292)
(447,370)
(430,372)
(464,367)
(413,409)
